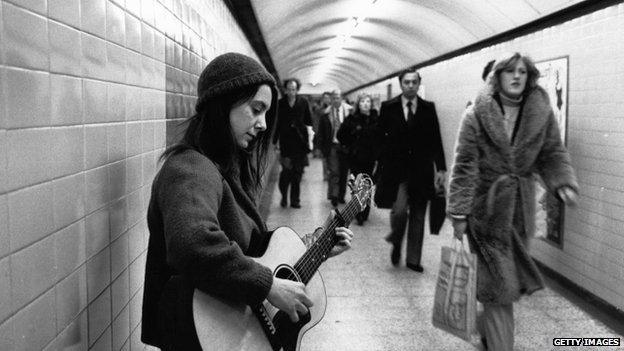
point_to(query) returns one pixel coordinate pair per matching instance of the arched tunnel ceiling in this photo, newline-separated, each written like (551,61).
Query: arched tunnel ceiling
(396,34)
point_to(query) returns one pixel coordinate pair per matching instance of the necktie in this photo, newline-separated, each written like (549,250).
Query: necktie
(410,113)
(336,122)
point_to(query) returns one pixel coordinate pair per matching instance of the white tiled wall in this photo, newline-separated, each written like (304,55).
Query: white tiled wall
(90,93)
(593,249)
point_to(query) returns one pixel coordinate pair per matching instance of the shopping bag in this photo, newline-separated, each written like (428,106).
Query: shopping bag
(455,299)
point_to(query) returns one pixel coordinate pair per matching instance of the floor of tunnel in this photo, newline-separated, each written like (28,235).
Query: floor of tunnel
(372,305)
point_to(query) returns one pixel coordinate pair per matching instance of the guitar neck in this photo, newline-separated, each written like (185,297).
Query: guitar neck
(309,263)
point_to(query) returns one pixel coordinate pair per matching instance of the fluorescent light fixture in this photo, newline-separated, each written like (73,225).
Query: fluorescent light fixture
(348,28)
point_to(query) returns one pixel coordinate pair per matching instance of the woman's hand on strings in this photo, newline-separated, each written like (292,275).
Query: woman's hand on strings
(346,236)
(289,296)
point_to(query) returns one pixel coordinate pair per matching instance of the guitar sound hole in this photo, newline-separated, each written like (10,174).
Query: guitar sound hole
(286,272)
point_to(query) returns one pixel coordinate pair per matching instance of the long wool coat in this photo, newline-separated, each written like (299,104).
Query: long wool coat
(409,151)
(492,184)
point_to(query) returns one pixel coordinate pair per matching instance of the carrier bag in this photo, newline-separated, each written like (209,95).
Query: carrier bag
(455,300)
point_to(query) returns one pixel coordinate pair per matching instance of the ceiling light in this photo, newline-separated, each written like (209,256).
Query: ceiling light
(348,28)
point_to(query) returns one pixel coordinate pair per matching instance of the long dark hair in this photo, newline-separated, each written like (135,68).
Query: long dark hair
(209,133)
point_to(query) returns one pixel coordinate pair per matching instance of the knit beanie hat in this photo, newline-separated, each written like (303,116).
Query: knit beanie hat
(229,72)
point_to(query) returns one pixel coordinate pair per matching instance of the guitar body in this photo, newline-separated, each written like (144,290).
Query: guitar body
(225,325)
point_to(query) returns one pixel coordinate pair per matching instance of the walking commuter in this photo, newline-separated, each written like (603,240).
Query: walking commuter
(317,113)
(323,109)
(203,222)
(294,132)
(333,151)
(411,166)
(509,133)
(358,134)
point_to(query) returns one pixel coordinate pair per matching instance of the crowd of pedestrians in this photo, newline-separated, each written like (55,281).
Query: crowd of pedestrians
(507,134)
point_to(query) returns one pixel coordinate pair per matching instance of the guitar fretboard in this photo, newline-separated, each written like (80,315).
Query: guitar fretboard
(318,252)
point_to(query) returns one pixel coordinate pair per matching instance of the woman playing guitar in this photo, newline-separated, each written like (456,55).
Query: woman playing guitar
(202,216)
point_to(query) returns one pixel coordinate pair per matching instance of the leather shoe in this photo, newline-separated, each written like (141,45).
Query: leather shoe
(395,255)
(295,205)
(284,202)
(415,267)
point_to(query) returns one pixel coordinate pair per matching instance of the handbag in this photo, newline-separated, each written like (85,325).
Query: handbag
(455,299)
(437,211)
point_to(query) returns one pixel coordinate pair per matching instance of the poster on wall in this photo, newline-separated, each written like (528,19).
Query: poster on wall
(549,214)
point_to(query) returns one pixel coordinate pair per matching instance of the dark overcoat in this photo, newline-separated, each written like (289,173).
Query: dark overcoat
(408,151)
(291,131)
(358,133)
(492,183)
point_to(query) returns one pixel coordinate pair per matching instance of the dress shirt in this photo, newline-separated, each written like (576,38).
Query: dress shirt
(404,101)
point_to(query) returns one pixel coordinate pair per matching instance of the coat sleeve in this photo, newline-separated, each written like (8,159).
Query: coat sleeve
(307,116)
(465,172)
(439,159)
(278,123)
(346,132)
(323,134)
(553,162)
(189,197)
(382,132)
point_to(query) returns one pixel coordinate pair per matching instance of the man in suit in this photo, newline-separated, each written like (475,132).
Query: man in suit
(412,166)
(331,149)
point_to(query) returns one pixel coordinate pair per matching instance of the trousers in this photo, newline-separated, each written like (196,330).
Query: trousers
(290,177)
(497,325)
(404,209)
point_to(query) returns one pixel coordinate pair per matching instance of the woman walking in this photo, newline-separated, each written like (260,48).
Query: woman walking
(509,134)
(358,134)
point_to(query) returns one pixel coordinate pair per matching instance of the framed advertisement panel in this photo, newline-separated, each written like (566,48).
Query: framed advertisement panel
(550,211)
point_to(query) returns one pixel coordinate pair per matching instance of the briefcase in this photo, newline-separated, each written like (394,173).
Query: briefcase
(437,211)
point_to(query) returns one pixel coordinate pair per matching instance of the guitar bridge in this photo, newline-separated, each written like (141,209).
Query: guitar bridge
(266,319)
(267,326)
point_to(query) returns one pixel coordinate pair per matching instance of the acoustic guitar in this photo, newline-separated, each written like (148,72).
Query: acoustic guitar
(226,325)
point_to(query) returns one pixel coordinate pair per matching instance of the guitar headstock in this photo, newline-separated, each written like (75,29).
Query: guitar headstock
(361,189)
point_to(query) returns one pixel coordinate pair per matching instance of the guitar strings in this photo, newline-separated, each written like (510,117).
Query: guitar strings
(305,266)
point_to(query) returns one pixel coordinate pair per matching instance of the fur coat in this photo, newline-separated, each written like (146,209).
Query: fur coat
(492,184)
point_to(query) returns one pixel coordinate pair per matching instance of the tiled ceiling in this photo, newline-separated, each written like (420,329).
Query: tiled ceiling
(302,35)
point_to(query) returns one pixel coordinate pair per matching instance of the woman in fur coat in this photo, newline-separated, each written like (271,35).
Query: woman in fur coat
(509,134)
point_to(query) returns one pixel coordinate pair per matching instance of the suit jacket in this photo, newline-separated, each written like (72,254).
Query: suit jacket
(326,131)
(408,151)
